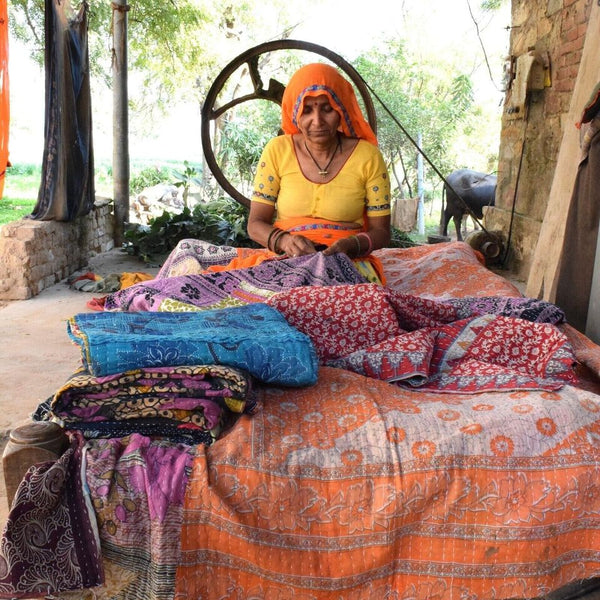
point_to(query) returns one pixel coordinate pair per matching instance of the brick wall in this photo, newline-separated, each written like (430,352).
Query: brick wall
(38,254)
(554,29)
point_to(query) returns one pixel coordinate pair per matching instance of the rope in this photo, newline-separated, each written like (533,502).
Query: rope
(420,150)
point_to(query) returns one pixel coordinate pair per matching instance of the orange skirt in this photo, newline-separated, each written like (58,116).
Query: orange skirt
(318,231)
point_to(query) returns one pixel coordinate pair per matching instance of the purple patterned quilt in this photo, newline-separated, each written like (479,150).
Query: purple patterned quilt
(234,288)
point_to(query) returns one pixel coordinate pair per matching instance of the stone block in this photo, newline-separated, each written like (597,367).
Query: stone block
(37,273)
(49,281)
(5,286)
(20,293)
(553,7)
(28,231)
(37,254)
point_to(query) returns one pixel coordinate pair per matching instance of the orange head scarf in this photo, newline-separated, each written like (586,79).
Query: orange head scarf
(318,79)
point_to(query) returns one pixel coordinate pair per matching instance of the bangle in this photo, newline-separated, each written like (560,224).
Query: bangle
(276,241)
(370,246)
(357,245)
(274,230)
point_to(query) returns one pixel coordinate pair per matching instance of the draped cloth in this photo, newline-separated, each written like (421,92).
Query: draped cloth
(213,290)
(318,79)
(319,231)
(468,348)
(4,95)
(51,540)
(67,187)
(581,234)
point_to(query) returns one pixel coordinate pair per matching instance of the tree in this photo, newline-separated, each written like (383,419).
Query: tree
(176,48)
(425,98)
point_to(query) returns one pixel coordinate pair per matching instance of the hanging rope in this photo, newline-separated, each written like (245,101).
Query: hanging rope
(421,151)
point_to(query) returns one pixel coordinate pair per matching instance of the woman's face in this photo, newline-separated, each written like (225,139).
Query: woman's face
(319,121)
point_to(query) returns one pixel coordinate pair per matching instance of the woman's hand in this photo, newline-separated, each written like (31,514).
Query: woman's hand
(348,246)
(295,245)
(363,243)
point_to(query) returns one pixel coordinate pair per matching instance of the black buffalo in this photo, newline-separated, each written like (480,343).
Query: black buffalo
(475,189)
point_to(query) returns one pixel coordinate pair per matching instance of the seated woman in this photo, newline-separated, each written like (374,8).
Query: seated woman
(324,184)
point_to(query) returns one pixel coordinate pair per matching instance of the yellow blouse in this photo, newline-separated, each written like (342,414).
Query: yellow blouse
(362,183)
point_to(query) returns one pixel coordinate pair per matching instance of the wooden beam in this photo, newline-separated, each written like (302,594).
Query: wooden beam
(544,268)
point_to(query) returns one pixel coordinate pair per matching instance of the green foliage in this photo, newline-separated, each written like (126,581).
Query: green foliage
(242,139)
(492,4)
(24,169)
(185,179)
(26,20)
(175,48)
(429,99)
(222,222)
(147,177)
(401,239)
(21,185)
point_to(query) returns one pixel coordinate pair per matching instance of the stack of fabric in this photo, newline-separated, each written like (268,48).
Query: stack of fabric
(186,404)
(181,376)
(180,357)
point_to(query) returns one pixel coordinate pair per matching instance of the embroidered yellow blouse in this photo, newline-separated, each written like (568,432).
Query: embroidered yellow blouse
(362,183)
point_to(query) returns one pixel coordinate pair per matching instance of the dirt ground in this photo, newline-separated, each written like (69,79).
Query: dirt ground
(36,355)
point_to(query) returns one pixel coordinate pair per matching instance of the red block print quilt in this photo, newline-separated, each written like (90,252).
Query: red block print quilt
(400,338)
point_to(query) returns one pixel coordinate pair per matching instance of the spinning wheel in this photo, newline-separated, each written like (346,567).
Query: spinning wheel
(274,93)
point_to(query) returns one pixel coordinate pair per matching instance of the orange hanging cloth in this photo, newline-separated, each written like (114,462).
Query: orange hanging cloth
(4,99)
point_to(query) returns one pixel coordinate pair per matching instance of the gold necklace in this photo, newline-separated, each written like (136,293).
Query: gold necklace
(324,171)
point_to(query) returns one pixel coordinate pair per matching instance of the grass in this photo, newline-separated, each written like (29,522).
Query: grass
(13,209)
(21,185)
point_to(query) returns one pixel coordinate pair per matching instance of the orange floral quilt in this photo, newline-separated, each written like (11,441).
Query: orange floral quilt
(357,489)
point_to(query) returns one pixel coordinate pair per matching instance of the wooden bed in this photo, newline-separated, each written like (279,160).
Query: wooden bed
(355,486)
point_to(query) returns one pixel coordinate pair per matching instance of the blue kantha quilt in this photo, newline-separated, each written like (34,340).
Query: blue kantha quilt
(255,338)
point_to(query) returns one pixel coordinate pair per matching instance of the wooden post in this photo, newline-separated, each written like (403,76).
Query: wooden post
(120,120)
(421,205)
(592,325)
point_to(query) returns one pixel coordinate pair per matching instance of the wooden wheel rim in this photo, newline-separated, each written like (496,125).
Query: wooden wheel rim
(273,93)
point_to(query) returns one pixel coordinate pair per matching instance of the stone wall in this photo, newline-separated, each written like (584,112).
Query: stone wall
(553,32)
(38,254)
